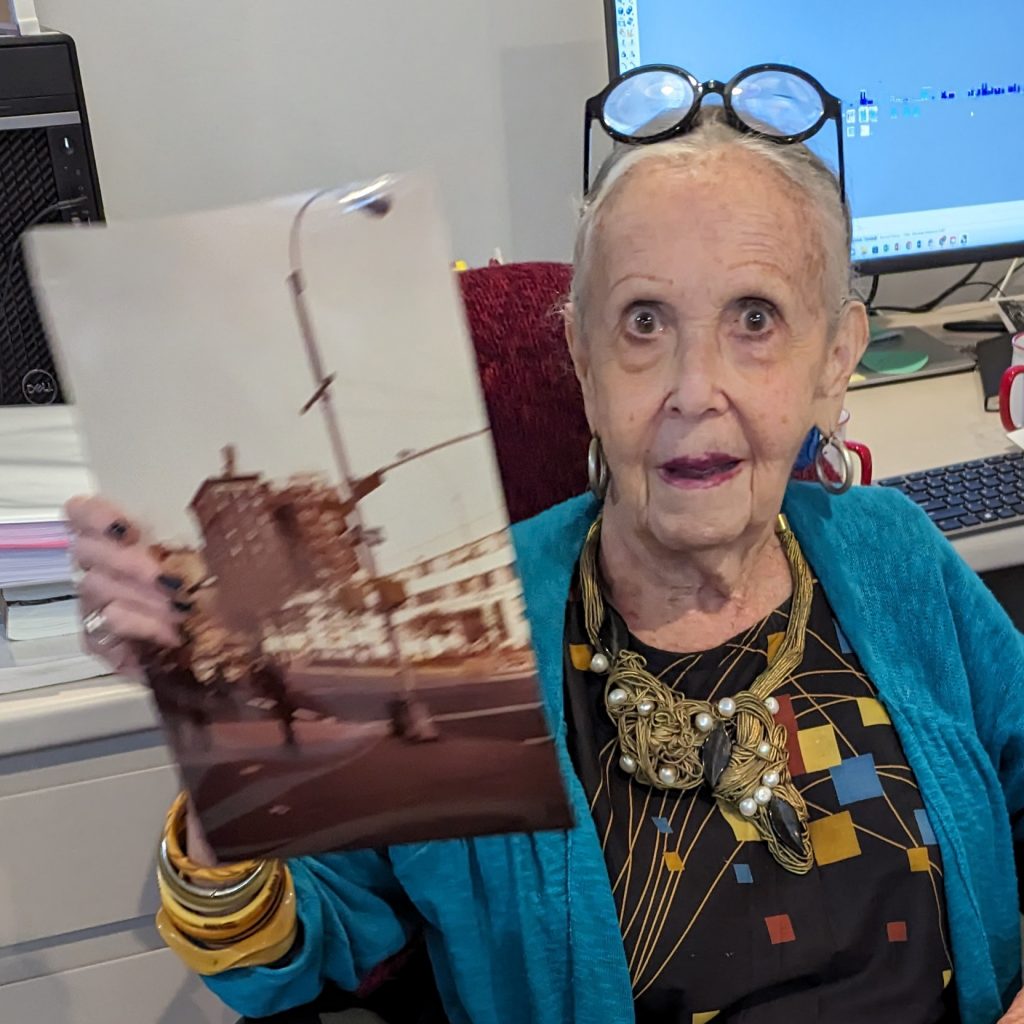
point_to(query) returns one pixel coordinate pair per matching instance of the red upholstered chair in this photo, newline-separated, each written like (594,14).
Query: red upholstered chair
(533,398)
(541,437)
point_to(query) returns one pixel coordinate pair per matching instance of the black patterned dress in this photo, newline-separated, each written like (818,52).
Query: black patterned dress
(713,928)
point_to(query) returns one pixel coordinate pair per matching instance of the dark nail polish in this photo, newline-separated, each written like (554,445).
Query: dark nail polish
(118,530)
(182,606)
(171,582)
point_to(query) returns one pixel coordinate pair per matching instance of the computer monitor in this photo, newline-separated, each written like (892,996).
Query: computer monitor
(932,97)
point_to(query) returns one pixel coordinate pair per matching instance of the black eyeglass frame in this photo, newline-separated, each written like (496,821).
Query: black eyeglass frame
(594,111)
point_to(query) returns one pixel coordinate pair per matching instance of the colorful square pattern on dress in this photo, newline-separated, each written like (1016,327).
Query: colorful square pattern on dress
(743,874)
(897,931)
(919,859)
(742,828)
(787,718)
(703,1018)
(580,655)
(834,839)
(662,825)
(872,711)
(780,929)
(947,977)
(924,826)
(673,861)
(856,779)
(818,747)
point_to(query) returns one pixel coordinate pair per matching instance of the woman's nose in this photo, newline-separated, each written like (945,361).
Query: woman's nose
(697,377)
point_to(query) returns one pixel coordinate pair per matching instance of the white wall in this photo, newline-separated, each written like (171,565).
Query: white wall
(195,103)
(200,103)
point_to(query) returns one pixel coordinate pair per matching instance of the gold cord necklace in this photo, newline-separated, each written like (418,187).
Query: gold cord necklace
(733,744)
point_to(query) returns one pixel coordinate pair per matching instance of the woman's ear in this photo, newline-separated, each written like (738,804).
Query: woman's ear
(845,351)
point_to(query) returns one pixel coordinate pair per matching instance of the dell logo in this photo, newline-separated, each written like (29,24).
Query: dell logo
(39,387)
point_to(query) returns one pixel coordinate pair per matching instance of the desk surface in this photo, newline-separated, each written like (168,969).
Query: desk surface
(919,424)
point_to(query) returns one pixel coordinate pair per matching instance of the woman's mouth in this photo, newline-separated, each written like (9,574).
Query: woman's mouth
(702,471)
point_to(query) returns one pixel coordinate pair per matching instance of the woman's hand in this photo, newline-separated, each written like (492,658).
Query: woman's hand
(124,595)
(128,598)
(196,846)
(1015,1014)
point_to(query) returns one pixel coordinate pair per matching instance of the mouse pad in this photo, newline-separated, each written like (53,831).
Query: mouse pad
(912,354)
(899,360)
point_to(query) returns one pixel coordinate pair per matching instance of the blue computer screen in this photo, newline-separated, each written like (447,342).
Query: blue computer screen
(933,107)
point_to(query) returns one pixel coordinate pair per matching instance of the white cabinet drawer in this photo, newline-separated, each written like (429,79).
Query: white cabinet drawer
(77,856)
(151,988)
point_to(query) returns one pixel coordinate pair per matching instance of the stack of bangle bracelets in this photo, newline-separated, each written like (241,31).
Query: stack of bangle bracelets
(217,919)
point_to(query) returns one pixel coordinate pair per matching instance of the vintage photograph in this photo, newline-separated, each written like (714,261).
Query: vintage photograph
(356,667)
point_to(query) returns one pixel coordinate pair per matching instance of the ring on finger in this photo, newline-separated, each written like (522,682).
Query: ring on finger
(98,629)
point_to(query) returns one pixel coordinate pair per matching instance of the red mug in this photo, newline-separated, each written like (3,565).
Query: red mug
(863,453)
(1011,398)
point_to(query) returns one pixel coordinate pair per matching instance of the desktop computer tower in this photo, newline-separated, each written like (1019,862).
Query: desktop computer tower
(47,175)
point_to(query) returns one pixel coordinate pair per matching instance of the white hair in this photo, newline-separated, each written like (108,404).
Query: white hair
(813,180)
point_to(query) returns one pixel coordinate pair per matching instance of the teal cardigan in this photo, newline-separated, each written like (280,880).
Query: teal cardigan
(523,928)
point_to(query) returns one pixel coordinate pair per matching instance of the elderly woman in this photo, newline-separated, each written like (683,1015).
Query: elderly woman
(791,723)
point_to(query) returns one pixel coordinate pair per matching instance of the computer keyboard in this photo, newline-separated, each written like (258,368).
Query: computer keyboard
(969,497)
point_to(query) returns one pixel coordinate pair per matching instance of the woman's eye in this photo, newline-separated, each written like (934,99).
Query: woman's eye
(644,321)
(757,317)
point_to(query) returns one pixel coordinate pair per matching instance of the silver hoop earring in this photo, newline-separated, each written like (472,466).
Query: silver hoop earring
(826,471)
(597,469)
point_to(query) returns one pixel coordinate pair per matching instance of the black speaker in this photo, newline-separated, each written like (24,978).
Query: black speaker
(47,175)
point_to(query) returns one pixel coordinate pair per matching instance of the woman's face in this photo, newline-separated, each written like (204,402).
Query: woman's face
(706,353)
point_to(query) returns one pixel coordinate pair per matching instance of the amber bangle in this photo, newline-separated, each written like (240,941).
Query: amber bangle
(266,945)
(216,961)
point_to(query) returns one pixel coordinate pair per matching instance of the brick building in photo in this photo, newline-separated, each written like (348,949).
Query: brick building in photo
(267,546)
(288,577)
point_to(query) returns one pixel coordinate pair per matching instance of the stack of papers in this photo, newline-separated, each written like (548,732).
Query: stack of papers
(35,610)
(33,552)
(29,664)
(41,467)
(41,463)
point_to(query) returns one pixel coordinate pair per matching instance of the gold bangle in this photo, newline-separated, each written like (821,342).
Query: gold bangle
(206,907)
(223,927)
(204,926)
(262,948)
(212,900)
(183,865)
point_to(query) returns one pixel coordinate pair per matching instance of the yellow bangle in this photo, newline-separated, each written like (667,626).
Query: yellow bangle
(220,875)
(208,962)
(266,946)
(226,926)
